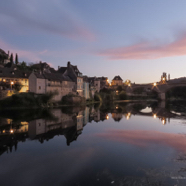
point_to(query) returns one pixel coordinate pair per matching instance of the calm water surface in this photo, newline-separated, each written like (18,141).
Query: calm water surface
(118,144)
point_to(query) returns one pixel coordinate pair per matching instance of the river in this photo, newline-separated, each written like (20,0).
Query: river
(114,144)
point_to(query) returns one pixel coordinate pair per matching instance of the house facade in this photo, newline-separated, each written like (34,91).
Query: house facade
(75,75)
(14,78)
(117,81)
(41,83)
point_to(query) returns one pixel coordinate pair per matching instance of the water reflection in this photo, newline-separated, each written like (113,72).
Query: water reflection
(136,150)
(69,122)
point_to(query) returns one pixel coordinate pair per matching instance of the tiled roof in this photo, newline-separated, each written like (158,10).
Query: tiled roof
(13,73)
(62,69)
(117,78)
(52,76)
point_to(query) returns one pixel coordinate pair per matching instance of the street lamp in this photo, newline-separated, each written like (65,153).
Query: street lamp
(155,84)
(12,84)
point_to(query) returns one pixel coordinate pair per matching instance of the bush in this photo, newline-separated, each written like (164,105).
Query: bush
(17,86)
(177,92)
(97,97)
(26,100)
(122,95)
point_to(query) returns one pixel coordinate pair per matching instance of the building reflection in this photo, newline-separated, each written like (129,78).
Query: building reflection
(70,122)
(117,116)
(70,125)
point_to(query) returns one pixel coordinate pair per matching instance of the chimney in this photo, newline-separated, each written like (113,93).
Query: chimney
(68,64)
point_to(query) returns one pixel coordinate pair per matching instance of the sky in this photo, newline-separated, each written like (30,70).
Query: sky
(136,39)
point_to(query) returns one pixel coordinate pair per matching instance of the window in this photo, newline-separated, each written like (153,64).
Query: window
(39,87)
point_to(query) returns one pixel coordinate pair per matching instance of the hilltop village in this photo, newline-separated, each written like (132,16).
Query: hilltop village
(41,78)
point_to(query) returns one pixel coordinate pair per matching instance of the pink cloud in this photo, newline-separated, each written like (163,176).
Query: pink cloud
(147,50)
(144,139)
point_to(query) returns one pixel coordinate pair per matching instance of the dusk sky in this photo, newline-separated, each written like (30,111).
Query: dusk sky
(136,39)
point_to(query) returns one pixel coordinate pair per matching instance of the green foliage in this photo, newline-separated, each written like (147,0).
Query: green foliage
(26,100)
(17,86)
(22,66)
(11,58)
(16,59)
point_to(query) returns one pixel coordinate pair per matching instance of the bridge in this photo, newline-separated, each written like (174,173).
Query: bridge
(160,88)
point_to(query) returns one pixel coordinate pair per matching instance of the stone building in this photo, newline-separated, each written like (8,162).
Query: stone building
(75,75)
(14,77)
(117,81)
(41,83)
(86,88)
(98,82)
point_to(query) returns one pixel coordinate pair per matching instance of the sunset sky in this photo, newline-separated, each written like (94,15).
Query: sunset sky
(137,40)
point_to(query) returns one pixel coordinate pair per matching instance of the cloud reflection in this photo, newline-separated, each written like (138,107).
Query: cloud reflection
(145,139)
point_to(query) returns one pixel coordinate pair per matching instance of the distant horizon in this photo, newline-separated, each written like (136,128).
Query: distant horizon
(110,79)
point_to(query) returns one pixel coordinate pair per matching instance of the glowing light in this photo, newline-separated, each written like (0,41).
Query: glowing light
(155,84)
(163,79)
(107,117)
(12,83)
(154,116)
(3,131)
(107,80)
(4,80)
(129,84)
(128,116)
(11,131)
(163,121)
(116,107)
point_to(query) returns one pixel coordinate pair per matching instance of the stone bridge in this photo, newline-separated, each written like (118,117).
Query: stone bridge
(161,89)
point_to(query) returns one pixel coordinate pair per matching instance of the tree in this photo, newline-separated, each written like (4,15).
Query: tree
(16,59)
(23,65)
(11,58)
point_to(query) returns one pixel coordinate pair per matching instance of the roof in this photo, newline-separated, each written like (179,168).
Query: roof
(117,78)
(103,78)
(13,73)
(52,76)
(62,69)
